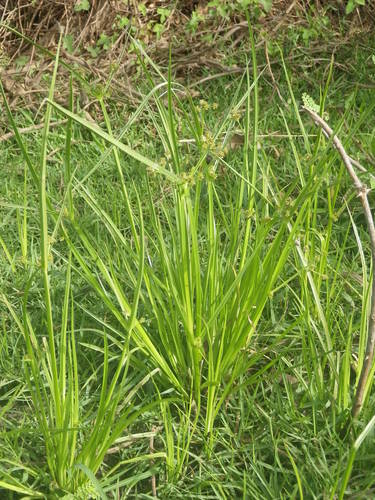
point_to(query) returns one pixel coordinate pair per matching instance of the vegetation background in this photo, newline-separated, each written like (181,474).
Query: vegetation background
(185,266)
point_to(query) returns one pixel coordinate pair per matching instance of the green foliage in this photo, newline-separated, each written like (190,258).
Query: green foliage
(316,27)
(163,13)
(21,61)
(147,237)
(104,42)
(93,51)
(121,22)
(214,280)
(159,27)
(195,20)
(68,43)
(352,4)
(227,8)
(142,9)
(74,449)
(266,4)
(82,6)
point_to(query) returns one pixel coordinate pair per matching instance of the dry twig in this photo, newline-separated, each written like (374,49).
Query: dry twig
(362,192)
(32,128)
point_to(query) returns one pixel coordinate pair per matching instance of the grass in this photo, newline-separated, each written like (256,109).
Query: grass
(179,313)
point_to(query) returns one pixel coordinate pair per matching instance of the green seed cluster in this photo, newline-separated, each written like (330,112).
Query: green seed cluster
(309,103)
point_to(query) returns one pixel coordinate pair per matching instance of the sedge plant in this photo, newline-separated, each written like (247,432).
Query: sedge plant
(212,259)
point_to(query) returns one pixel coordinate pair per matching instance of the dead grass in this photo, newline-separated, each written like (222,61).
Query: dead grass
(23,67)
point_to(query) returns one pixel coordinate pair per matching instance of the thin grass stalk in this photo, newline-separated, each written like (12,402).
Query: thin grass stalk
(68,146)
(253,177)
(45,246)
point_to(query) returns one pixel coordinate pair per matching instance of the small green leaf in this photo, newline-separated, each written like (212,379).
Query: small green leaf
(163,13)
(350,6)
(266,4)
(68,43)
(93,51)
(82,5)
(195,19)
(158,29)
(122,22)
(222,11)
(21,61)
(104,41)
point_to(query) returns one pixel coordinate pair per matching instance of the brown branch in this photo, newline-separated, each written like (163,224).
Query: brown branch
(27,130)
(127,441)
(362,192)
